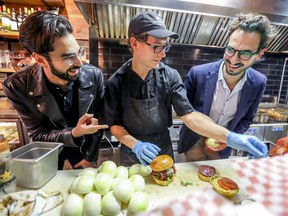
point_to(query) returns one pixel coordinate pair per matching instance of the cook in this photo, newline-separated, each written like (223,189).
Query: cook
(139,97)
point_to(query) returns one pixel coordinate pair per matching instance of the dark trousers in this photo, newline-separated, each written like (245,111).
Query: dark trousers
(71,154)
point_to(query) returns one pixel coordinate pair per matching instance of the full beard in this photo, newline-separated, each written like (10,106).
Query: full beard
(65,76)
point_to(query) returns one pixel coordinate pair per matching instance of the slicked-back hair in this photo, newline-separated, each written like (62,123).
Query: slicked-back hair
(38,31)
(254,22)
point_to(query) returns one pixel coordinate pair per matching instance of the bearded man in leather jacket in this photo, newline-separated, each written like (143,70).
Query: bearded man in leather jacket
(54,96)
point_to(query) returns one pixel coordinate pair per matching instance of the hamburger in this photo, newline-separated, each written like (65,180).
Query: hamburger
(163,170)
(225,186)
(280,147)
(213,145)
(205,172)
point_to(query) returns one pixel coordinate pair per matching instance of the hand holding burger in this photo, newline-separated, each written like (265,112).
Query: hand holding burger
(213,145)
(163,170)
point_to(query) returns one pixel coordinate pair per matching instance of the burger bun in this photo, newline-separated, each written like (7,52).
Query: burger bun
(205,172)
(162,162)
(164,183)
(225,186)
(213,145)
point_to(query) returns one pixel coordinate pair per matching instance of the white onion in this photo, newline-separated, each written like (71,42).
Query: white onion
(138,203)
(88,171)
(115,181)
(103,183)
(124,190)
(109,167)
(138,182)
(110,205)
(73,186)
(92,204)
(85,184)
(138,169)
(73,205)
(121,172)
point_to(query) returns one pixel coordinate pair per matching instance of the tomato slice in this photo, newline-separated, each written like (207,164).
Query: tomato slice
(227,183)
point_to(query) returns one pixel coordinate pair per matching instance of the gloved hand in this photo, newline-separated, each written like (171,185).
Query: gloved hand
(250,144)
(145,152)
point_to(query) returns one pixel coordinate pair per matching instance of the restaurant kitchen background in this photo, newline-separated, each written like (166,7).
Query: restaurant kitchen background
(101,28)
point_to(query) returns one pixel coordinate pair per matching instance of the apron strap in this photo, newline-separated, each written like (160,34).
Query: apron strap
(164,87)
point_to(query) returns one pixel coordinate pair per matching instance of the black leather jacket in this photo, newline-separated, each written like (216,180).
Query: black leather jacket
(37,108)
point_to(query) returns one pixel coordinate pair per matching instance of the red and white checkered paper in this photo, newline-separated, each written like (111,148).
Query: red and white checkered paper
(266,180)
(206,202)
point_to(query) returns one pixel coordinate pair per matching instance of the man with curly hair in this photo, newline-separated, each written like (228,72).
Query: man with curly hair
(228,91)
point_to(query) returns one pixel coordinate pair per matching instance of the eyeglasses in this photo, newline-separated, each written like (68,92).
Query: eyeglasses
(242,54)
(158,49)
(70,59)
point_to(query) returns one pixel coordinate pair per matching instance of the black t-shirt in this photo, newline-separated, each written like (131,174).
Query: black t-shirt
(143,89)
(67,101)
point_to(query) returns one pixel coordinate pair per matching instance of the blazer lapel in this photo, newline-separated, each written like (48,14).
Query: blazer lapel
(210,85)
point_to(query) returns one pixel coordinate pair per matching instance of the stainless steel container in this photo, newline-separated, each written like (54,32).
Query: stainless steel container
(35,164)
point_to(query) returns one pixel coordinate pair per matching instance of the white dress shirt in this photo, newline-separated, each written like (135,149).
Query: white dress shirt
(224,104)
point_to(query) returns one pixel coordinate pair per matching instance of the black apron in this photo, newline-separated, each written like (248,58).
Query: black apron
(146,119)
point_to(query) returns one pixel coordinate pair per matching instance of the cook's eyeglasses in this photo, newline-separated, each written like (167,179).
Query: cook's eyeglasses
(70,59)
(158,49)
(242,54)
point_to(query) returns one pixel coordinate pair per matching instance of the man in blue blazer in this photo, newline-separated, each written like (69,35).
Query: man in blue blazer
(228,91)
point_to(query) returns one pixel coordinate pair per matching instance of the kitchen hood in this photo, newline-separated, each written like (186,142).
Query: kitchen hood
(198,22)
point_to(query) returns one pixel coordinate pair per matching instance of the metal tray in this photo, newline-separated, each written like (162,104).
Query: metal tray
(36,163)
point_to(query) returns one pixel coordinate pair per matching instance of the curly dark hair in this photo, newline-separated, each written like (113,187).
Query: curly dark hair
(254,22)
(38,31)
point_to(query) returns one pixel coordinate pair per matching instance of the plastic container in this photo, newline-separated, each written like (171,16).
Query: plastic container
(35,164)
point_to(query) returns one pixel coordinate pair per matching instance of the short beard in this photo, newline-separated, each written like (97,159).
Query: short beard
(233,74)
(64,76)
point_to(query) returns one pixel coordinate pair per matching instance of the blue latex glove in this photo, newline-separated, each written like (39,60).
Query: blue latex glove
(250,144)
(145,152)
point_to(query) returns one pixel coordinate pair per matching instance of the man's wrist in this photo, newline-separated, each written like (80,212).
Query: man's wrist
(74,133)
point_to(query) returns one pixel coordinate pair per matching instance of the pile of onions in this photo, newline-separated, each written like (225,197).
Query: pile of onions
(107,190)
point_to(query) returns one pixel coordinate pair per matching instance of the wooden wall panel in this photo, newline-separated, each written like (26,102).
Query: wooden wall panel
(81,28)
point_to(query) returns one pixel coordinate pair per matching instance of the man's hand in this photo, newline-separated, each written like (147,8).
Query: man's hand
(84,164)
(87,125)
(145,152)
(250,144)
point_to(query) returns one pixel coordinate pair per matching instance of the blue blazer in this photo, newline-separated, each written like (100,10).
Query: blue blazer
(200,84)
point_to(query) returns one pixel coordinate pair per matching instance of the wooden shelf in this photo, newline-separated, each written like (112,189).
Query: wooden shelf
(9,35)
(7,70)
(51,3)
